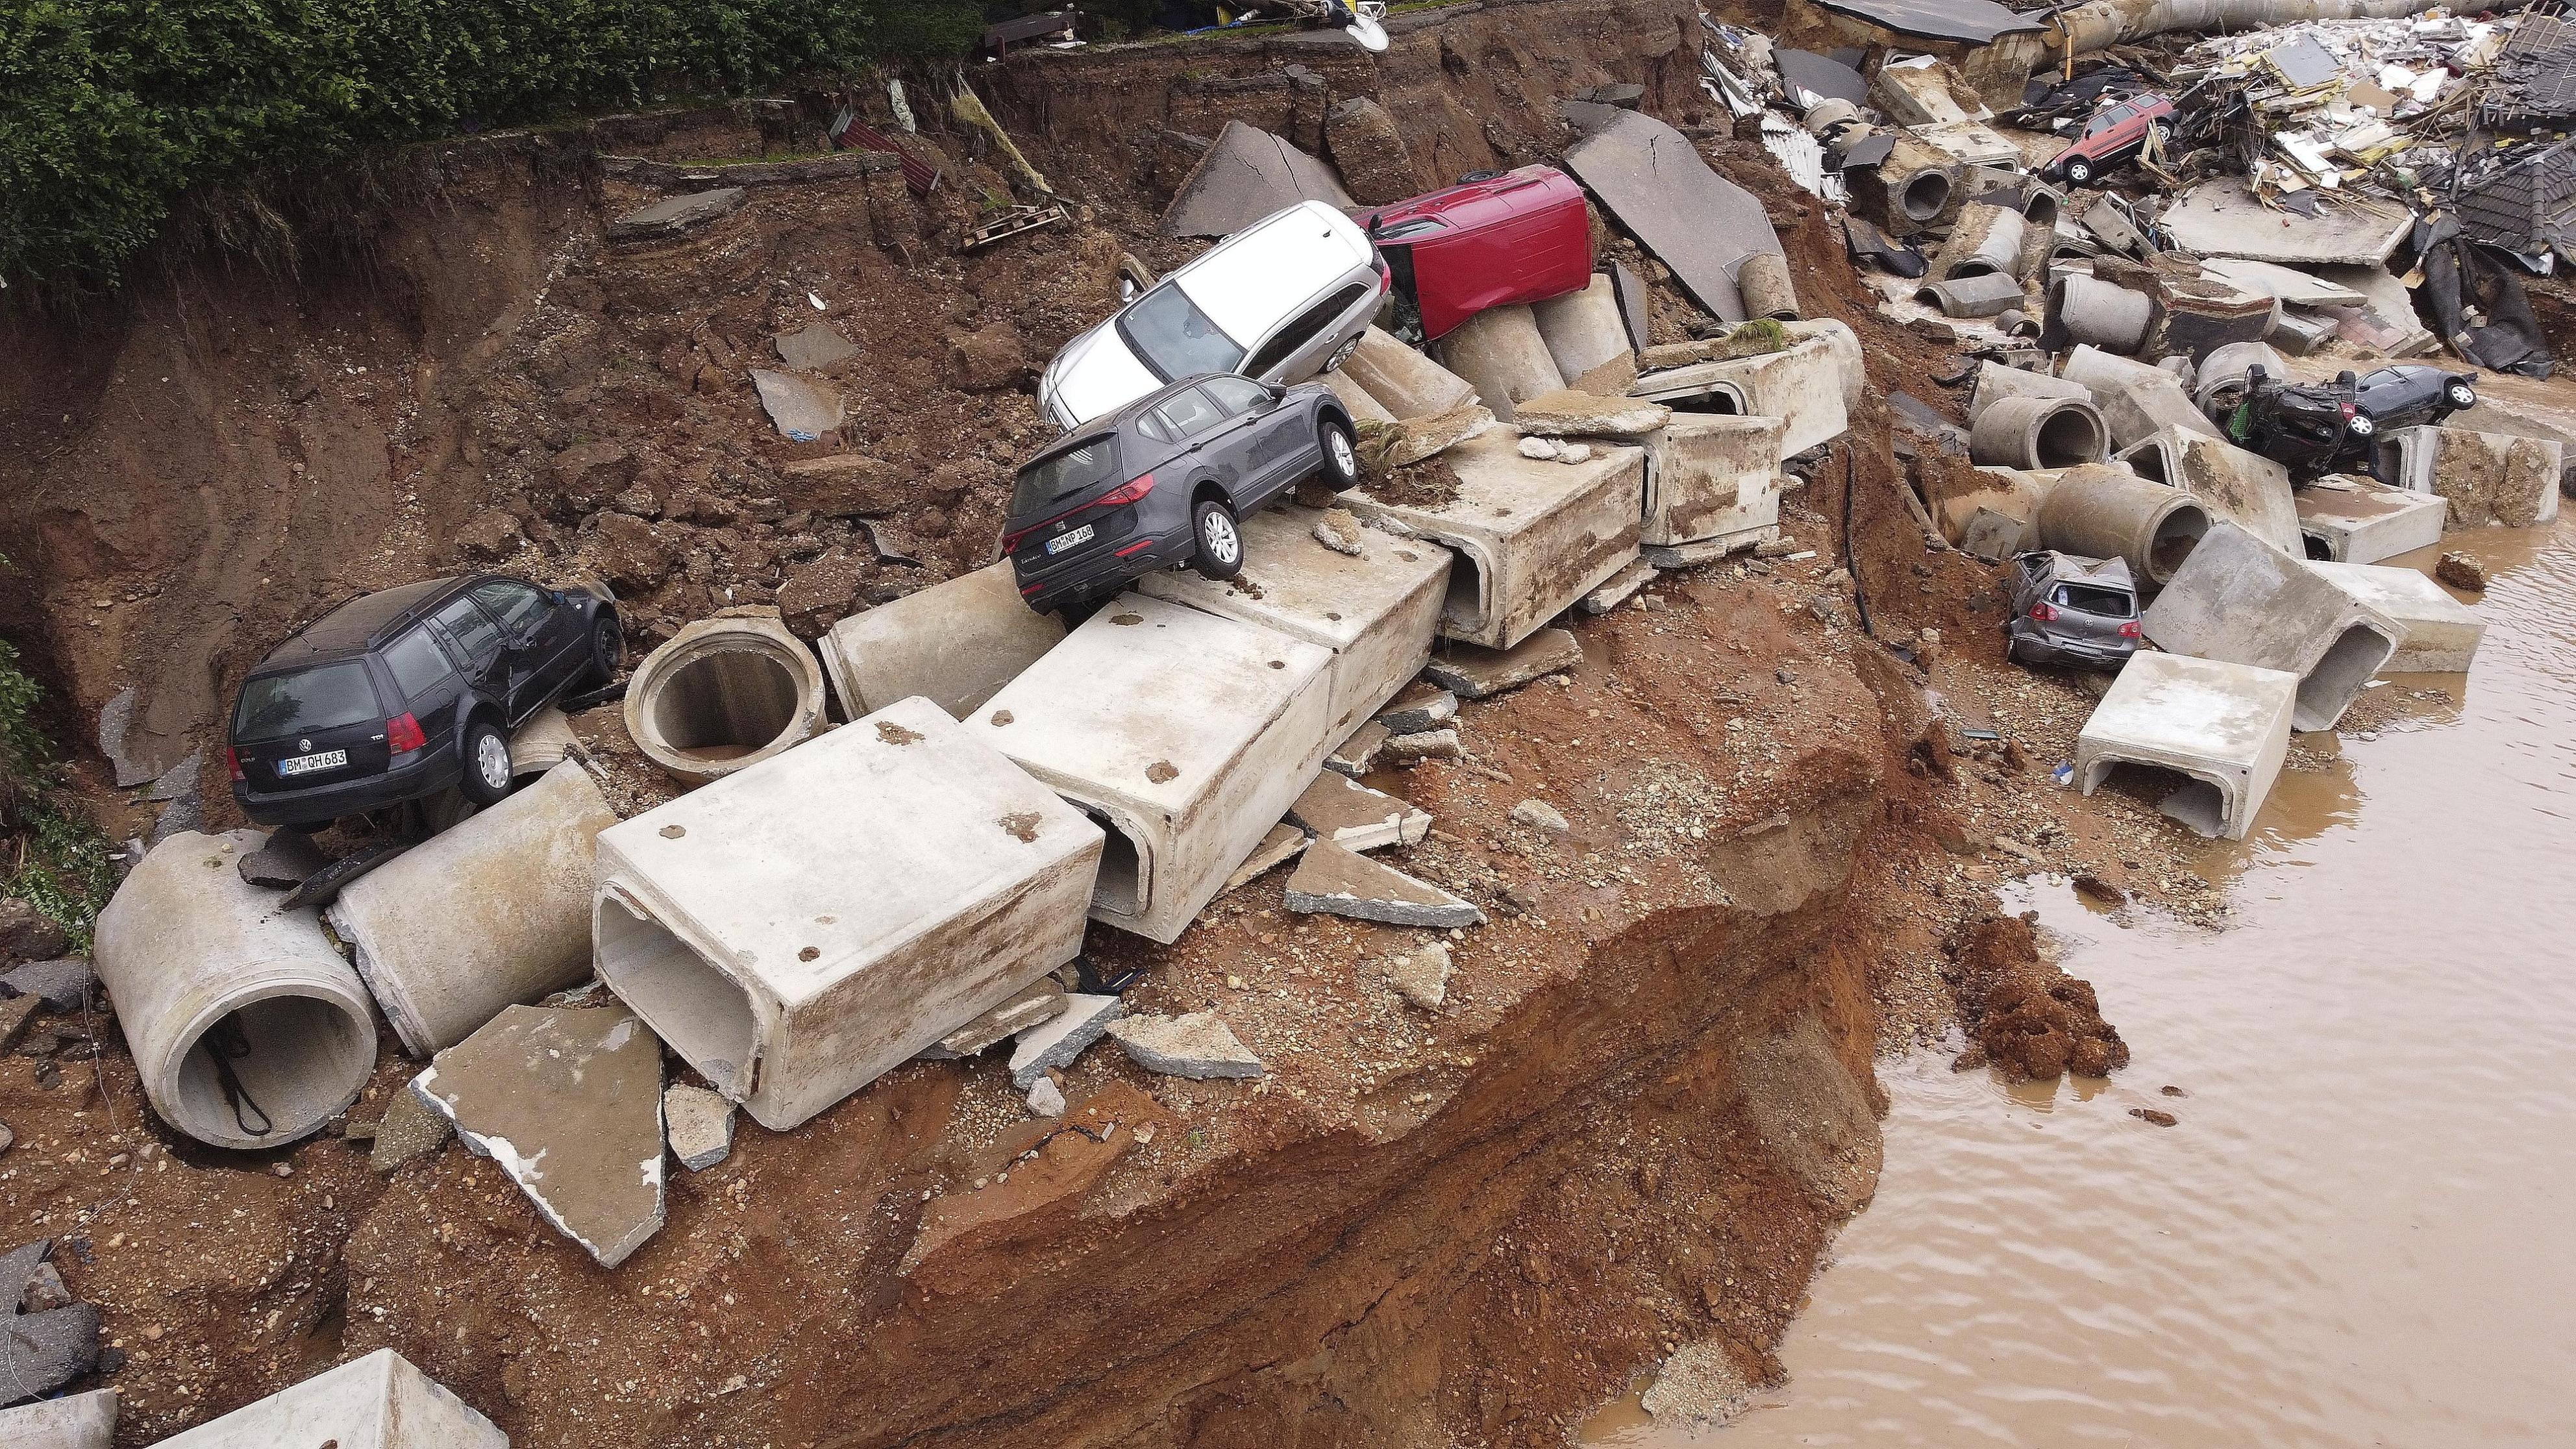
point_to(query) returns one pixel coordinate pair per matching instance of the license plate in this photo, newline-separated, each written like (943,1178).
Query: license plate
(308,764)
(1075,539)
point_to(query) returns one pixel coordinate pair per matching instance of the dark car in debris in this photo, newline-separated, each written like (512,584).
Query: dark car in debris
(1166,481)
(2070,610)
(2324,427)
(2412,394)
(396,695)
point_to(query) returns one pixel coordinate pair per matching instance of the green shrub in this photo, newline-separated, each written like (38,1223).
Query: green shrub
(48,856)
(111,110)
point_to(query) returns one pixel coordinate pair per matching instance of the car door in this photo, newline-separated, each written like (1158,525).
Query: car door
(1269,437)
(1299,348)
(475,640)
(426,678)
(1207,432)
(537,639)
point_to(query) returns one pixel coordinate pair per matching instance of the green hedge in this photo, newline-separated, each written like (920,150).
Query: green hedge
(111,110)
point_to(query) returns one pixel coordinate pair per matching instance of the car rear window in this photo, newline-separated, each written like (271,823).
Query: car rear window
(1174,337)
(417,662)
(1065,473)
(2085,599)
(329,697)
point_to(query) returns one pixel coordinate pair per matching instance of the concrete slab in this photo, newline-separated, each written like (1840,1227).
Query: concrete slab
(2136,400)
(955,644)
(2489,478)
(1568,413)
(2441,633)
(1283,844)
(2246,488)
(1408,384)
(1040,1000)
(1197,1046)
(1246,175)
(1472,673)
(1341,882)
(1622,587)
(673,215)
(1532,535)
(1418,707)
(1709,476)
(2221,218)
(800,928)
(47,1341)
(1588,339)
(376,1402)
(2238,600)
(1357,755)
(1376,610)
(1355,817)
(568,1100)
(74,1421)
(1653,179)
(1802,385)
(698,1124)
(2361,520)
(2294,287)
(1501,352)
(2227,725)
(1056,1041)
(1186,733)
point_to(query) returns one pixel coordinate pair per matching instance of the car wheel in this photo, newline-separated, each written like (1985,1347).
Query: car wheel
(2079,172)
(2459,395)
(1341,355)
(2163,132)
(487,762)
(1341,455)
(607,649)
(1220,540)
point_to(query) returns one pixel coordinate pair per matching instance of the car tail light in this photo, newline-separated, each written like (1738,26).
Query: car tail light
(1385,276)
(402,733)
(1125,493)
(232,764)
(2044,611)
(2131,630)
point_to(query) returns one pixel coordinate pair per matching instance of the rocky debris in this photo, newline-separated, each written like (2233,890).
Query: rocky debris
(1421,977)
(1342,882)
(2029,1018)
(1472,672)
(410,1130)
(1339,530)
(8,1139)
(1418,707)
(1570,414)
(698,1124)
(1351,815)
(1197,1046)
(26,934)
(289,859)
(1358,754)
(45,1341)
(1425,745)
(491,535)
(568,1100)
(1541,449)
(1282,842)
(2461,571)
(1057,1041)
(2155,1116)
(1573,453)
(1038,1001)
(74,1421)
(15,1013)
(813,349)
(1700,1386)
(987,360)
(801,411)
(1046,1099)
(1540,816)
(673,215)
(1619,588)
(1368,148)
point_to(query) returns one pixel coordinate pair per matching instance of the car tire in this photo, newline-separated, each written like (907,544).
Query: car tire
(2079,172)
(2162,131)
(1341,455)
(1219,554)
(1341,355)
(2459,395)
(607,651)
(485,753)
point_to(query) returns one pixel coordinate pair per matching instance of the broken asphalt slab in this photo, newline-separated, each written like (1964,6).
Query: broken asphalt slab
(1352,815)
(1283,842)
(66,985)
(674,215)
(1337,881)
(568,1101)
(1197,1046)
(1057,1041)
(1245,176)
(411,1129)
(1651,178)
(1472,672)
(48,1348)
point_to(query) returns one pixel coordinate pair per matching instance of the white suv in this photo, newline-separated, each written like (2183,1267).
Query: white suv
(1279,301)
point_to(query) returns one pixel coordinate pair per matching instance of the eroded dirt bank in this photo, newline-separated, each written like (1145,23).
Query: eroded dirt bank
(1633,1125)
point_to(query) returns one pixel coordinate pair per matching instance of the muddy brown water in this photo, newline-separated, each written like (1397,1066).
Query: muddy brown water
(2359,1231)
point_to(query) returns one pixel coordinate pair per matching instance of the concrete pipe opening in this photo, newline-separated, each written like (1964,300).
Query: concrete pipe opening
(2039,209)
(2069,436)
(2202,802)
(1462,608)
(272,1070)
(724,693)
(2035,432)
(1924,195)
(2340,675)
(704,1014)
(2175,536)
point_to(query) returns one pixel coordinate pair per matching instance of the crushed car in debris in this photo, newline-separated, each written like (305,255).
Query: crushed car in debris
(2071,610)
(1521,236)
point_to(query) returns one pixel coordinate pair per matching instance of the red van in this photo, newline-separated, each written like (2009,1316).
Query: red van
(1520,236)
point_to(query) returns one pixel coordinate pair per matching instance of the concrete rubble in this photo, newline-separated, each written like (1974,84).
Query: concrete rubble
(2238,600)
(1197,1046)
(1057,1041)
(698,1124)
(1355,817)
(1341,882)
(1653,181)
(379,1401)
(1421,977)
(46,1339)
(409,1130)
(1417,707)
(1034,1003)
(568,1102)
(1244,176)
(1469,672)
(1283,844)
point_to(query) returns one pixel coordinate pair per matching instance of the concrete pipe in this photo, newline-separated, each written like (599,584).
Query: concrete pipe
(1996,382)
(1908,189)
(2040,205)
(2099,314)
(2107,512)
(491,913)
(1763,282)
(2037,432)
(1844,344)
(2220,382)
(1503,356)
(2102,24)
(1987,294)
(1408,384)
(1826,114)
(1986,243)
(247,1028)
(726,692)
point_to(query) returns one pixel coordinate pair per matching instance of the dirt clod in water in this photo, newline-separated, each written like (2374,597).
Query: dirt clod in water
(2153,1117)
(2027,1016)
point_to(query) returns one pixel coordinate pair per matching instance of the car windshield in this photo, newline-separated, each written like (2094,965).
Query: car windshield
(1063,473)
(330,697)
(2083,599)
(1174,337)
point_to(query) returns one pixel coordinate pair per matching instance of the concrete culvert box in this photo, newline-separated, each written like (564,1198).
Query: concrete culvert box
(2038,432)
(2245,488)
(2226,725)
(2105,511)
(247,1027)
(492,911)
(1713,478)
(2098,313)
(1802,385)
(799,928)
(379,1401)
(1189,735)
(2239,600)
(724,693)
(955,644)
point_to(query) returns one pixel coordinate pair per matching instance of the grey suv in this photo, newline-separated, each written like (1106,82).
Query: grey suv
(1164,481)
(2071,610)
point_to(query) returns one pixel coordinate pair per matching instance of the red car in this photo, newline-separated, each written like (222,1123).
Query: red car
(2114,135)
(1520,236)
